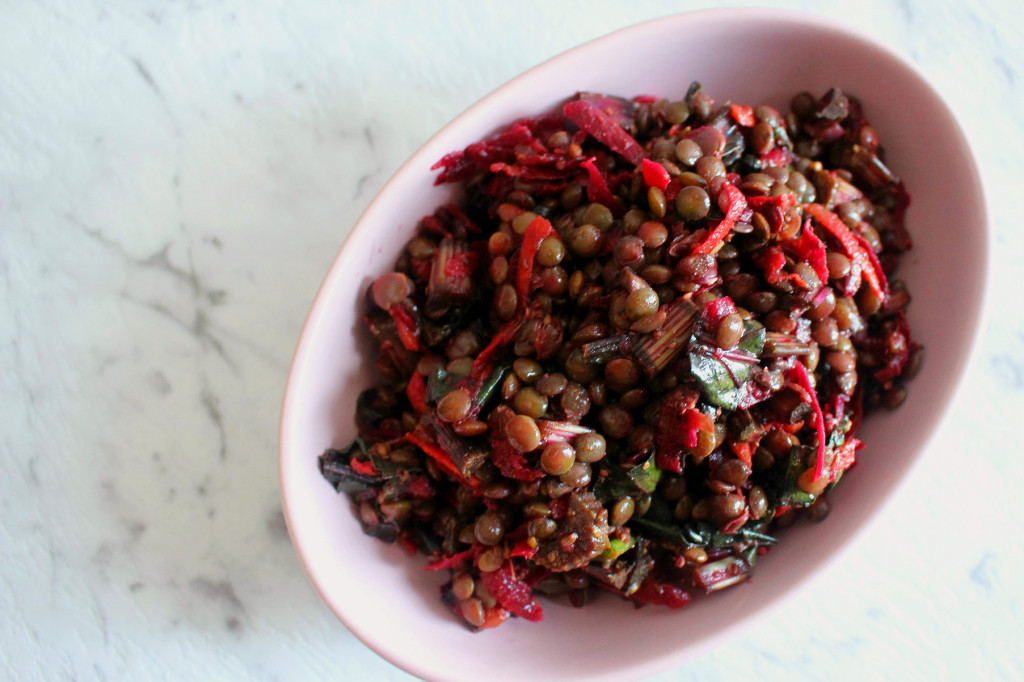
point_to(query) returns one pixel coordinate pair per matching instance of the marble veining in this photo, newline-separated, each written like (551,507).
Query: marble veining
(175,179)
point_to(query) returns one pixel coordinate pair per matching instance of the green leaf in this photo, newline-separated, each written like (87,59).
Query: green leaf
(748,429)
(646,476)
(335,466)
(642,566)
(616,548)
(439,383)
(838,435)
(753,337)
(489,388)
(700,534)
(386,467)
(782,485)
(722,373)
(614,483)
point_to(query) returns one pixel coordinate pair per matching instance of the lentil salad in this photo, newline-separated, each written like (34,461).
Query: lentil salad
(641,344)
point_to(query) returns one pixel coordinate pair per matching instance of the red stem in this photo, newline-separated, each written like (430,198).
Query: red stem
(439,456)
(856,248)
(536,231)
(819,417)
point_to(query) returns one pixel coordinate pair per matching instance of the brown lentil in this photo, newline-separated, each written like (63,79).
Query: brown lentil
(557,458)
(656,200)
(463,586)
(472,611)
(455,405)
(838,265)
(688,151)
(489,528)
(692,203)
(729,332)
(551,384)
(530,403)
(621,374)
(590,447)
(578,475)
(522,433)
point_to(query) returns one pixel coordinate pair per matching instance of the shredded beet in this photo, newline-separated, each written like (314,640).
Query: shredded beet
(416,392)
(811,250)
(772,260)
(733,203)
(653,592)
(407,330)
(604,129)
(597,188)
(454,560)
(437,454)
(655,174)
(819,419)
(512,593)
(504,336)
(856,248)
(743,114)
(538,229)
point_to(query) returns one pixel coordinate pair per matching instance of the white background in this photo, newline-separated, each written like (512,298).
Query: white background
(175,178)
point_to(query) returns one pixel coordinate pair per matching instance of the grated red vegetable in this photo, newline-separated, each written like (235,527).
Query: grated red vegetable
(438,455)
(537,230)
(444,563)
(604,129)
(416,392)
(800,373)
(856,248)
(653,592)
(733,203)
(512,593)
(655,174)
(407,331)
(364,467)
(743,114)
(504,336)
(597,188)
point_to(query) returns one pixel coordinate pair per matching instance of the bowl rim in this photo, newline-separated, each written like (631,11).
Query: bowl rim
(417,160)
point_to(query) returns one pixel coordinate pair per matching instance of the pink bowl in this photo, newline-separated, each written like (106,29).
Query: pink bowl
(748,56)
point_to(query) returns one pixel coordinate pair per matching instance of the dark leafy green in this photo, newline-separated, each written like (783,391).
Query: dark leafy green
(722,373)
(642,565)
(614,483)
(782,485)
(746,427)
(489,388)
(334,466)
(439,383)
(645,476)
(699,534)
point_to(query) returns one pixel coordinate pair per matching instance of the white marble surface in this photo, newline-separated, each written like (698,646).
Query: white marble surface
(175,178)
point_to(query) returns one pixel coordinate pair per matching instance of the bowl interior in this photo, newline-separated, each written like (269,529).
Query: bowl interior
(746,56)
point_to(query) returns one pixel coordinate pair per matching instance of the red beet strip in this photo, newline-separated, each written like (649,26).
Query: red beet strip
(597,188)
(856,248)
(734,205)
(819,418)
(405,326)
(655,174)
(438,455)
(604,129)
(536,231)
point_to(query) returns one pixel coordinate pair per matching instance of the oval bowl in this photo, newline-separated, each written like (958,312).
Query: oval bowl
(748,56)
